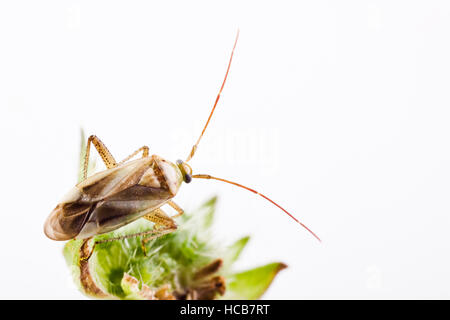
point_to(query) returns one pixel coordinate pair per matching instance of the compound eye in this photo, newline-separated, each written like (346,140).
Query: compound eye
(187,178)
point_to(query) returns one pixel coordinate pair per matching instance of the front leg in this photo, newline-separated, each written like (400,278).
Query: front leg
(160,219)
(176,207)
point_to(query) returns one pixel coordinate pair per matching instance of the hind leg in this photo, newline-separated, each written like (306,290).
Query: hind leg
(106,155)
(163,225)
(148,235)
(144,150)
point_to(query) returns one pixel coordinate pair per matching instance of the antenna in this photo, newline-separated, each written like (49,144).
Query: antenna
(207,176)
(194,148)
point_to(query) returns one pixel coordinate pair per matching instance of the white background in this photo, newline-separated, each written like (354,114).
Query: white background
(339,110)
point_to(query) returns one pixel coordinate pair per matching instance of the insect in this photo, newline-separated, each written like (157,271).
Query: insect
(129,190)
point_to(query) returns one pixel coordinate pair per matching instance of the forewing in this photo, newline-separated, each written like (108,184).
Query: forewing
(123,208)
(112,181)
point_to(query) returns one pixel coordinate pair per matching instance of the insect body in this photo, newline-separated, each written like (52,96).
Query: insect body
(127,191)
(116,197)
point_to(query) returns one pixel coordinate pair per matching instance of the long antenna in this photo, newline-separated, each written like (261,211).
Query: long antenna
(194,148)
(207,176)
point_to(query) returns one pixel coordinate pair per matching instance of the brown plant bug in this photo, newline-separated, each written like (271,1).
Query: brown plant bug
(129,190)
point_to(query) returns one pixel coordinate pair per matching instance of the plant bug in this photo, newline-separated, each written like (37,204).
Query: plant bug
(129,190)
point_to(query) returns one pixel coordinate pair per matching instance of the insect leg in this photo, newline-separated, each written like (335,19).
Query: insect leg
(162,222)
(156,234)
(176,207)
(160,218)
(144,150)
(102,150)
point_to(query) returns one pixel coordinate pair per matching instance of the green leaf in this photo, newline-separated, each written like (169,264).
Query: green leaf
(207,212)
(251,284)
(233,252)
(170,260)
(130,286)
(71,253)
